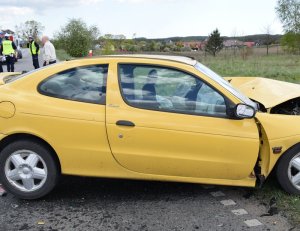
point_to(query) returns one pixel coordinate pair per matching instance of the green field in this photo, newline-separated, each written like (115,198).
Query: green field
(286,68)
(280,67)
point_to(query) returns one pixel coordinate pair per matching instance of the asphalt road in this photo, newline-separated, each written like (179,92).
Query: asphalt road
(102,204)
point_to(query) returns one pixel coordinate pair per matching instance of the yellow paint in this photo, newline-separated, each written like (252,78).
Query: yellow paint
(162,146)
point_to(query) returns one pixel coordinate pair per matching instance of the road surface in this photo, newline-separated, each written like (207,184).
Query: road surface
(102,204)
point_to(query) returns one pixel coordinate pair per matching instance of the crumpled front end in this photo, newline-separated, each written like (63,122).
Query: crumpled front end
(274,97)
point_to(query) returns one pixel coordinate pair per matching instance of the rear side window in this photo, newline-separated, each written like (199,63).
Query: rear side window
(84,84)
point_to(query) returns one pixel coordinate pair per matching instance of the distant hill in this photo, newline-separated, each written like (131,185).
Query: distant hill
(247,38)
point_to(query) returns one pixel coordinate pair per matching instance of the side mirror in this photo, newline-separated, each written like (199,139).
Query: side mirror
(243,111)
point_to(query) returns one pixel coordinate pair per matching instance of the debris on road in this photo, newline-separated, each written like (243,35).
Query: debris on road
(2,191)
(40,222)
(14,206)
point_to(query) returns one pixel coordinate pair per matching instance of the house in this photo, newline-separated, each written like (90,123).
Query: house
(233,43)
(195,45)
(249,44)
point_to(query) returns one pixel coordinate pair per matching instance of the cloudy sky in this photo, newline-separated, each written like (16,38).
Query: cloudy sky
(147,18)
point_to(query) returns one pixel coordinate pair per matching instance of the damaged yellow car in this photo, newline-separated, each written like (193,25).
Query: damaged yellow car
(142,117)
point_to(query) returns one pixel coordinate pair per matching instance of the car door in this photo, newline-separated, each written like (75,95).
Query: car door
(165,121)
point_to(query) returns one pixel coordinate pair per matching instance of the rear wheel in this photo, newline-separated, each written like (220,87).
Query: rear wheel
(28,169)
(288,171)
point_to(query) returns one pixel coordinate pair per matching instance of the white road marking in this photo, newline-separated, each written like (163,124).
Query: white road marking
(217,194)
(228,202)
(253,223)
(239,212)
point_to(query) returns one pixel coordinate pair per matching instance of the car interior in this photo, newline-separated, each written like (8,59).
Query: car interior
(181,93)
(87,84)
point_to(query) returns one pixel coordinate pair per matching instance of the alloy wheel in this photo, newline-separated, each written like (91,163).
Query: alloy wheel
(26,170)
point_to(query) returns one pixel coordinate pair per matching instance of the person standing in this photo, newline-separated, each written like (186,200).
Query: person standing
(8,49)
(49,52)
(35,51)
(1,68)
(1,35)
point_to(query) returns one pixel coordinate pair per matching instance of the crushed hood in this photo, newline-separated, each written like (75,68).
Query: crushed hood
(268,92)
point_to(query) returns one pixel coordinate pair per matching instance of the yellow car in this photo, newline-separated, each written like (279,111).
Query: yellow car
(139,117)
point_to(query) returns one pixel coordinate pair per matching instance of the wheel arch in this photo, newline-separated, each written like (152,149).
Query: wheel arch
(25,136)
(290,149)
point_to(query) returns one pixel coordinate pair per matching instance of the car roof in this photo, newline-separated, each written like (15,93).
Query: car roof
(181,59)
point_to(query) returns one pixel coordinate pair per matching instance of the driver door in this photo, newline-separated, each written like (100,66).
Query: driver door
(182,131)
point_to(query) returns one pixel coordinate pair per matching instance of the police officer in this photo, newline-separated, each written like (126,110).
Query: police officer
(35,51)
(8,49)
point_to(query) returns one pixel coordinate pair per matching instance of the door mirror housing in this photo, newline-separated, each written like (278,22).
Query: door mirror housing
(244,111)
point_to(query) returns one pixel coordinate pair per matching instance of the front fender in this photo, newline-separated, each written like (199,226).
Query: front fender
(277,131)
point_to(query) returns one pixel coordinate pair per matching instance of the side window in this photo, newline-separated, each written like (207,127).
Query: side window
(85,84)
(166,89)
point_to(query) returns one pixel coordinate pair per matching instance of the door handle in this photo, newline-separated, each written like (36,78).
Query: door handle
(125,123)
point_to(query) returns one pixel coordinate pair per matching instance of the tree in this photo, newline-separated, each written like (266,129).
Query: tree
(291,42)
(214,43)
(107,44)
(77,38)
(30,28)
(289,14)
(268,38)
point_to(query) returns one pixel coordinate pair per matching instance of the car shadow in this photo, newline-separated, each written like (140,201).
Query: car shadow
(89,188)
(86,188)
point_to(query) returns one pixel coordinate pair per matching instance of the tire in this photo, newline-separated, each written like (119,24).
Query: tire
(288,171)
(28,169)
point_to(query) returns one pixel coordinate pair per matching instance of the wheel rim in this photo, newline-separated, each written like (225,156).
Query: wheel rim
(294,171)
(26,170)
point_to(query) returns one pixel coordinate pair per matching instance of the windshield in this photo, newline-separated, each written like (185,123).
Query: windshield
(214,76)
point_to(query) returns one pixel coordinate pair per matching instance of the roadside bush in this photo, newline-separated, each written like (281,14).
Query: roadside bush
(76,38)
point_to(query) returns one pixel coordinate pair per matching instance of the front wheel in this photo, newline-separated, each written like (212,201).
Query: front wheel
(28,169)
(288,171)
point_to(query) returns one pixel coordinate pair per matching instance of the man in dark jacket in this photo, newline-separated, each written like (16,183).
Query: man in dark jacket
(35,51)
(8,49)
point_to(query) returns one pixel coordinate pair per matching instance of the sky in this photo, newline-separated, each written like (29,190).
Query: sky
(147,18)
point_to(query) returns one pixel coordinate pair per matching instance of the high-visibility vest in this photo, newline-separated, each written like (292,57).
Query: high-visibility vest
(7,47)
(33,48)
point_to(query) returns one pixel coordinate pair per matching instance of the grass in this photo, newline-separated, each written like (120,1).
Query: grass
(282,67)
(287,204)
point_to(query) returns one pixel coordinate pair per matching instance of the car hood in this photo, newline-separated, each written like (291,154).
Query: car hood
(4,75)
(268,92)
